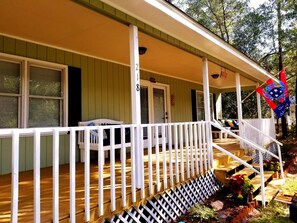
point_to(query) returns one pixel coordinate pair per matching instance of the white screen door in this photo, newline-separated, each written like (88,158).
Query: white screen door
(154,104)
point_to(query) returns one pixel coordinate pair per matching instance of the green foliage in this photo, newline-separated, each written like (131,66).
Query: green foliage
(240,186)
(201,212)
(290,186)
(271,165)
(275,212)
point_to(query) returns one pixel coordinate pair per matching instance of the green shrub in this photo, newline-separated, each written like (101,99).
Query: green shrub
(200,212)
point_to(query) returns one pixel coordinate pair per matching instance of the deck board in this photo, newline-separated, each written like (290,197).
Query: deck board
(26,190)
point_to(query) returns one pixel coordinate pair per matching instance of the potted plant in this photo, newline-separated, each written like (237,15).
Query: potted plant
(241,188)
(272,165)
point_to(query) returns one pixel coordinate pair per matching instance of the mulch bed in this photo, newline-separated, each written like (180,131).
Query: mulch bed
(231,213)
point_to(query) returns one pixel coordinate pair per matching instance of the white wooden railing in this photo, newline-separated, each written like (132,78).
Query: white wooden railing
(255,146)
(158,153)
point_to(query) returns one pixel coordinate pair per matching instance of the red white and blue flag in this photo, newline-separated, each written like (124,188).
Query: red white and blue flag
(276,95)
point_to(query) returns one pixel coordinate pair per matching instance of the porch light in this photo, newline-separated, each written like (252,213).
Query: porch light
(215,76)
(142,50)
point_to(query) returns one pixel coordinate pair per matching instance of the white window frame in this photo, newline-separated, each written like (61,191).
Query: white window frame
(23,106)
(211,105)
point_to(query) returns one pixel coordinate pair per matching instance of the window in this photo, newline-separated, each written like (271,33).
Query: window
(198,106)
(32,93)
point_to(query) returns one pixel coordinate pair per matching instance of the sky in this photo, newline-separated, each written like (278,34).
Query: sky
(256,3)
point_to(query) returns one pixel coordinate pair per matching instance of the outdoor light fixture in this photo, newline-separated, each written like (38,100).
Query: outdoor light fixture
(142,50)
(215,76)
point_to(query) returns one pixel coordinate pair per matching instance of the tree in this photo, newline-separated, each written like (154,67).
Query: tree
(220,16)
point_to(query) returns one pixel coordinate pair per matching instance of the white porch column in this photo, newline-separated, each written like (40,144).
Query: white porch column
(135,99)
(239,104)
(219,110)
(259,104)
(207,108)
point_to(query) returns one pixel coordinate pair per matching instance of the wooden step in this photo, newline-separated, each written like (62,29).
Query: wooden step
(256,181)
(271,190)
(224,171)
(246,171)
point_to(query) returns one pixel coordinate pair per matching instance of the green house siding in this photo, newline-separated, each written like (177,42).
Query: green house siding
(105,94)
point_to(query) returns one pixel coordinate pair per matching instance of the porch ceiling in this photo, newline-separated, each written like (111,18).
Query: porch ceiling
(67,25)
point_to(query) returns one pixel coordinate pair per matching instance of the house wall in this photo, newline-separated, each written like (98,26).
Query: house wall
(105,94)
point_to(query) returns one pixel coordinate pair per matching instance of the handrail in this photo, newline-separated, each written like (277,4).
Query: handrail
(236,158)
(261,149)
(258,130)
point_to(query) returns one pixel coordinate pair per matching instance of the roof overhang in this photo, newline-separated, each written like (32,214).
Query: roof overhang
(72,27)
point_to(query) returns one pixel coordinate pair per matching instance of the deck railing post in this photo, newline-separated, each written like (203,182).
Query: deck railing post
(280,161)
(36,176)
(72,176)
(15,176)
(262,178)
(55,176)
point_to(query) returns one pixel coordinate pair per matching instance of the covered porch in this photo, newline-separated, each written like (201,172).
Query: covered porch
(98,53)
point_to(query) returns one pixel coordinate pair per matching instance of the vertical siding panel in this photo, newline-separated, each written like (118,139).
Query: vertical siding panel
(66,147)
(6,156)
(110,89)
(62,155)
(122,101)
(49,151)
(91,88)
(22,154)
(21,48)
(60,57)
(29,153)
(98,83)
(41,52)
(68,59)
(9,45)
(76,60)
(116,96)
(85,91)
(1,43)
(127,110)
(43,151)
(51,55)
(32,50)
(105,100)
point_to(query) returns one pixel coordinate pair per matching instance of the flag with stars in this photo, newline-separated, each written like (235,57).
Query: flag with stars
(277,95)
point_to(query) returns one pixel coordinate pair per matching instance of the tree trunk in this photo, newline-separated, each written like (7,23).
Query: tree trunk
(280,61)
(296,105)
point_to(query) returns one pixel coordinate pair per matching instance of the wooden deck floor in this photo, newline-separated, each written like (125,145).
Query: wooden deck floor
(26,197)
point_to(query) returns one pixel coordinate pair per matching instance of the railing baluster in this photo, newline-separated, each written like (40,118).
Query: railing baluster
(204,147)
(176,152)
(157,157)
(262,178)
(133,168)
(112,171)
(123,165)
(87,173)
(72,176)
(196,148)
(200,147)
(100,172)
(36,176)
(15,176)
(187,149)
(181,147)
(164,156)
(56,176)
(170,153)
(280,161)
(150,164)
(191,149)
(141,162)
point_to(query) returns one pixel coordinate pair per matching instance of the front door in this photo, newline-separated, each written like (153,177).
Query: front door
(154,104)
